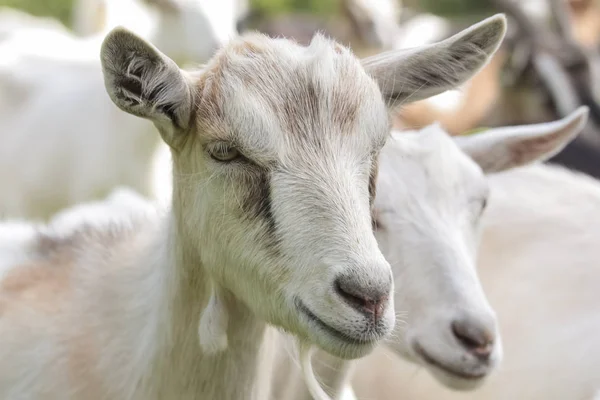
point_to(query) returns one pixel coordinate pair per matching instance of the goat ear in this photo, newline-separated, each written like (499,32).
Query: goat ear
(142,81)
(499,149)
(415,74)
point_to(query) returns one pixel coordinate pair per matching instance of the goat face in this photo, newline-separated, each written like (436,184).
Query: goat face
(431,199)
(275,151)
(288,152)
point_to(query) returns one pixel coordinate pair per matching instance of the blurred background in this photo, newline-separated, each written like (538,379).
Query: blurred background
(548,65)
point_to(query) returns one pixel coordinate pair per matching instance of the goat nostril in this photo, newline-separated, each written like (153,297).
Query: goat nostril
(477,340)
(363,300)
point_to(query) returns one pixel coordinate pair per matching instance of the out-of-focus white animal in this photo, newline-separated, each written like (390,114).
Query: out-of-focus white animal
(94,16)
(117,206)
(538,263)
(61,132)
(431,196)
(185,26)
(375,21)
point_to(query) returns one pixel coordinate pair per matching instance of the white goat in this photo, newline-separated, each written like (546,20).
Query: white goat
(52,92)
(94,16)
(430,199)
(538,264)
(274,152)
(375,21)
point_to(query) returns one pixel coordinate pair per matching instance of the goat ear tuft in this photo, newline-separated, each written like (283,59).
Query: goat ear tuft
(142,81)
(499,149)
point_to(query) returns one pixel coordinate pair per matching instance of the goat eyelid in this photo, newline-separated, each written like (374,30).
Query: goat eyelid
(224,152)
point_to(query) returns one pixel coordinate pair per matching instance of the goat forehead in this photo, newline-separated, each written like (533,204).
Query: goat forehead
(292,94)
(429,163)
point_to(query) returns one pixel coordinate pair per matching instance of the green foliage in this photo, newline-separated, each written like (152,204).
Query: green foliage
(452,8)
(284,6)
(60,9)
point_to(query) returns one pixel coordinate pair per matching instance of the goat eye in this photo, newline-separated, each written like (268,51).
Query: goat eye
(223,152)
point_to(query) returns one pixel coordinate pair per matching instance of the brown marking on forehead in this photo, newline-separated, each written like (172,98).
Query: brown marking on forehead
(209,85)
(345,109)
(302,96)
(307,108)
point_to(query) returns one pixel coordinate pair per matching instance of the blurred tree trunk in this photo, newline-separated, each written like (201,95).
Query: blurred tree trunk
(451,7)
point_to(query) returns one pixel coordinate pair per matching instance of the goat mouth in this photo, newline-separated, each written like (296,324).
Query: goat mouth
(444,367)
(312,317)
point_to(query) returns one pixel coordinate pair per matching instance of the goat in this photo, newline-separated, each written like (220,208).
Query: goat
(537,263)
(431,198)
(91,17)
(198,27)
(274,151)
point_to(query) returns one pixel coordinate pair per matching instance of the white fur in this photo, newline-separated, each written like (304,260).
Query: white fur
(538,265)
(306,352)
(121,203)
(14,238)
(212,330)
(523,231)
(429,206)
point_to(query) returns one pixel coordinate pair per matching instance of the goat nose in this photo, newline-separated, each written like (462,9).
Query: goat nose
(474,337)
(368,299)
